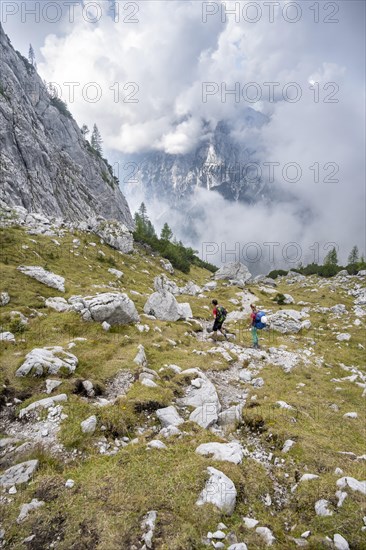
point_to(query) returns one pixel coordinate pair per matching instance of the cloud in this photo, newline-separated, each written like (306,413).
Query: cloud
(169,55)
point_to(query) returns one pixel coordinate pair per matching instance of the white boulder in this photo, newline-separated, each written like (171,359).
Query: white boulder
(266,535)
(89,424)
(352,483)
(4,298)
(116,272)
(20,473)
(340,542)
(7,337)
(29,507)
(163,306)
(288,321)
(45,403)
(219,491)
(58,303)
(140,358)
(230,452)
(343,337)
(169,416)
(113,307)
(46,277)
(236,272)
(321,508)
(47,360)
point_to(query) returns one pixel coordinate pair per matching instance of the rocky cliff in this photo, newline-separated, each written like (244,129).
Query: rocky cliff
(219,163)
(47,165)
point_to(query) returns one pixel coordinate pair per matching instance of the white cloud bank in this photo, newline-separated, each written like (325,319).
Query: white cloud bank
(170,52)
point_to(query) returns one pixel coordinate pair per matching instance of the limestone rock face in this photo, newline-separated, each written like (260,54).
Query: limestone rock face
(47,164)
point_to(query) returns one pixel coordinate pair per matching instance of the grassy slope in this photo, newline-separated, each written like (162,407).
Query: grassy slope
(112,494)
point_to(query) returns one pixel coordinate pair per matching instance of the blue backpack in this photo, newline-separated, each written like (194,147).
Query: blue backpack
(258,320)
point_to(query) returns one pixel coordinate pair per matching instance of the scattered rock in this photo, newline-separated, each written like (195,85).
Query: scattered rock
(26,508)
(191,289)
(116,272)
(287,445)
(88,387)
(352,483)
(149,383)
(205,416)
(236,272)
(162,283)
(163,306)
(88,426)
(52,385)
(231,416)
(321,508)
(266,535)
(185,311)
(69,483)
(58,303)
(210,286)
(308,477)
(140,358)
(7,337)
(341,495)
(156,444)
(20,473)
(49,359)
(113,307)
(343,337)
(231,452)
(148,525)
(4,298)
(219,491)
(288,321)
(250,523)
(46,277)
(114,233)
(284,405)
(350,415)
(45,403)
(165,264)
(340,542)
(106,326)
(169,416)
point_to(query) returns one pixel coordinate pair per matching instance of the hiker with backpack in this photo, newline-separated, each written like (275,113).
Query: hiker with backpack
(258,320)
(220,314)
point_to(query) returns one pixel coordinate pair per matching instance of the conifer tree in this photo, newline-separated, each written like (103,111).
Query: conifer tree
(96,140)
(31,55)
(331,258)
(166,233)
(353,256)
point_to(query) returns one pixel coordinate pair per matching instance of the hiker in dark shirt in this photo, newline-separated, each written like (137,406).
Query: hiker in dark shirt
(219,312)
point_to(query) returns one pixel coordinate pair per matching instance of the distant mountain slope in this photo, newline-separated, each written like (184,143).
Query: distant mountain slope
(219,163)
(46,164)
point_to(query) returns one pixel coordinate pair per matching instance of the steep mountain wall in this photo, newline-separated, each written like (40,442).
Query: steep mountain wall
(46,165)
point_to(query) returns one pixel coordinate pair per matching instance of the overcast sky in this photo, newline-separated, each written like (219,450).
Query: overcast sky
(148,68)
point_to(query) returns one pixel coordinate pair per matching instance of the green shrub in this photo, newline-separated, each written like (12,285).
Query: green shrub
(61,106)
(280,299)
(277,273)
